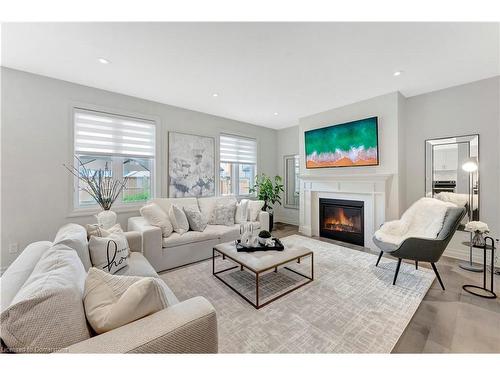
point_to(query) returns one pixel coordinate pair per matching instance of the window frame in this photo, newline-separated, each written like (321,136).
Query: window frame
(235,181)
(75,208)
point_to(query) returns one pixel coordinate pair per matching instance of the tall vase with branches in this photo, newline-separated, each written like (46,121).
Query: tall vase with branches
(269,191)
(101,186)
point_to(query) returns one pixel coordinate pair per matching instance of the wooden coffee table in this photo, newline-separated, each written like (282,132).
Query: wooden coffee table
(261,262)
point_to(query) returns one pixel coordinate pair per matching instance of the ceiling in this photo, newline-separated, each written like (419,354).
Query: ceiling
(257,69)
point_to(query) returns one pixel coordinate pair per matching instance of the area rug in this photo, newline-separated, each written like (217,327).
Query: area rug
(350,307)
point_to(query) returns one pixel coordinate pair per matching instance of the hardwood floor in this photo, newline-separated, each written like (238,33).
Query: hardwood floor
(450,321)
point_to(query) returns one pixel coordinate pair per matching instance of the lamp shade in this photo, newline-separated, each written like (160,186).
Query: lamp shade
(470,165)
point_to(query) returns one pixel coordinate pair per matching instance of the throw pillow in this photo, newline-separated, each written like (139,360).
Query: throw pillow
(195,218)
(98,231)
(224,213)
(178,219)
(254,208)
(109,253)
(241,214)
(112,301)
(47,313)
(156,217)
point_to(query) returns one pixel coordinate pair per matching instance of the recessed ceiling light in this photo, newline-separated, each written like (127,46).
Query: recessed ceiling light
(215,95)
(276,113)
(397,73)
(103,61)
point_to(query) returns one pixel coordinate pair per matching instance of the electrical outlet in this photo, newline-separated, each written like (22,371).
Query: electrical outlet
(13,248)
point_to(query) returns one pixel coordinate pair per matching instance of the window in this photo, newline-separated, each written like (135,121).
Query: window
(238,165)
(124,146)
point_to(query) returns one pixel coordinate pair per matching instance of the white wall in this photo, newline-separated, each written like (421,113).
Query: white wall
(467,109)
(287,144)
(386,107)
(36,141)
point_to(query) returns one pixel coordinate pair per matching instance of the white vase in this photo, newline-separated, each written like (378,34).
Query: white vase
(106,219)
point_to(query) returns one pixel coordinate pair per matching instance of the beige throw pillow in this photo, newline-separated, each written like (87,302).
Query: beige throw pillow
(112,301)
(196,220)
(178,219)
(156,217)
(47,313)
(110,253)
(254,208)
(241,214)
(98,231)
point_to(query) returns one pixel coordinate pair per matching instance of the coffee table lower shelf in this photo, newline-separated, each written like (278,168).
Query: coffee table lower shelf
(257,274)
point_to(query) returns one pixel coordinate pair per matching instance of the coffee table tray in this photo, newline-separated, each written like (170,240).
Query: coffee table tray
(278,247)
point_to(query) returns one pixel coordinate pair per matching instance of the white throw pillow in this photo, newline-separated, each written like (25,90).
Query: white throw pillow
(224,213)
(98,231)
(156,217)
(241,214)
(178,219)
(47,313)
(196,220)
(110,253)
(112,301)
(254,208)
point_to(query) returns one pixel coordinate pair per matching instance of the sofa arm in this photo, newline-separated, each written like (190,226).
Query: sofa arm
(264,220)
(186,327)
(134,240)
(151,237)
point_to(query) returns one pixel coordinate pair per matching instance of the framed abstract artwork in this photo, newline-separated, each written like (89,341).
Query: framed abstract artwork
(191,165)
(352,144)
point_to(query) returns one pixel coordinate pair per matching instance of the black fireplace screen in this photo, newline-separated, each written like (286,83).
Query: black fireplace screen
(342,220)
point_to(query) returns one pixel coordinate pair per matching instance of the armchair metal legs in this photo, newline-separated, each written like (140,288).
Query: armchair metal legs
(437,275)
(397,271)
(379,257)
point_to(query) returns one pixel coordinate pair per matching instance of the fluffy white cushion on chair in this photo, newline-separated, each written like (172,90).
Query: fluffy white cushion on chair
(47,312)
(109,253)
(112,301)
(241,215)
(156,217)
(254,207)
(178,219)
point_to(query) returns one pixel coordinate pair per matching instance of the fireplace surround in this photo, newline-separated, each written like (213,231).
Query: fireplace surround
(342,220)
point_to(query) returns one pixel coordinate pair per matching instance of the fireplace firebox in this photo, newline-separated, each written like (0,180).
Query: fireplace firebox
(342,220)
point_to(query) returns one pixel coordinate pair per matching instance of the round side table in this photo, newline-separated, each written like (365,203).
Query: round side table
(470,266)
(483,291)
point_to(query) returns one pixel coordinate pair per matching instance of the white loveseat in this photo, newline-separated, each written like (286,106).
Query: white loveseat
(178,250)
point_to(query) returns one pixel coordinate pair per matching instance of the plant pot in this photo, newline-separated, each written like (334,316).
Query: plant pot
(106,219)
(271,221)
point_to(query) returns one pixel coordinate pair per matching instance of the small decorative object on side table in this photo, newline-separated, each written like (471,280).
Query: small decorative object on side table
(483,291)
(477,231)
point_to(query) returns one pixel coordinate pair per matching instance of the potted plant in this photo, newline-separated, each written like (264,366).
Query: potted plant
(102,187)
(268,191)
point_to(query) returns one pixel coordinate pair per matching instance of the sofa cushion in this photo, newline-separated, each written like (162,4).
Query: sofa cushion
(241,215)
(175,239)
(75,237)
(196,220)
(156,217)
(254,207)
(138,265)
(224,213)
(178,219)
(207,206)
(18,272)
(166,203)
(109,254)
(47,313)
(112,301)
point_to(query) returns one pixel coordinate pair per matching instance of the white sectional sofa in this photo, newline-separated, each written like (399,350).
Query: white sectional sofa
(178,250)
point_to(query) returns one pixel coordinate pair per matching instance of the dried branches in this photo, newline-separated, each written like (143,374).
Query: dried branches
(99,184)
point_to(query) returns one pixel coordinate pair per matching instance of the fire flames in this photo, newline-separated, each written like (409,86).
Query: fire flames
(340,222)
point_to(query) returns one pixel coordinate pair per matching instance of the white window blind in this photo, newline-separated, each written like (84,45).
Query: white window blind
(101,133)
(235,149)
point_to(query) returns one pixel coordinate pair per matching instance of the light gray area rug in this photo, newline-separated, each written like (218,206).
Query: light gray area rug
(350,307)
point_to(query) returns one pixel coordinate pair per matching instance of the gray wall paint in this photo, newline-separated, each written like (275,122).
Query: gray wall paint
(287,144)
(461,110)
(36,141)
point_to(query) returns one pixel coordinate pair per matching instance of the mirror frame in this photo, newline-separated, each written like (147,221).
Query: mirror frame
(285,175)
(459,139)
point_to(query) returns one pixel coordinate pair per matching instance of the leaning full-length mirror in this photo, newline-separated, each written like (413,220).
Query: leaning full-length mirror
(452,171)
(291,167)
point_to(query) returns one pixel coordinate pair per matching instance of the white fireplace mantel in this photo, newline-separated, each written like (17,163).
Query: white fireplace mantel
(368,188)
